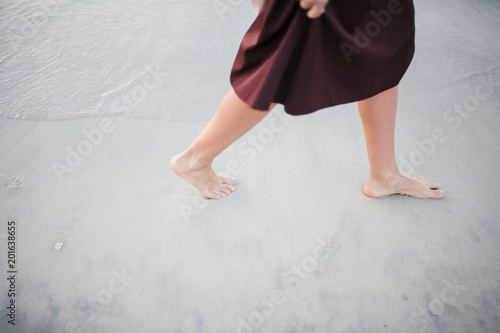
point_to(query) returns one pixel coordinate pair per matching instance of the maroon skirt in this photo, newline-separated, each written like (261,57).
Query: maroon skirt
(355,50)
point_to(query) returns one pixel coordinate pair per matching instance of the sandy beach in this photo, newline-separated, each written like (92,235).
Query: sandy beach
(95,98)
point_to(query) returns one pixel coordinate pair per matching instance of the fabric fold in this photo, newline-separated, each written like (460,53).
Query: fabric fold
(355,50)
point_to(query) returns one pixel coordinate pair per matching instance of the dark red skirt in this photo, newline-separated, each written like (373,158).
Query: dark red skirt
(355,50)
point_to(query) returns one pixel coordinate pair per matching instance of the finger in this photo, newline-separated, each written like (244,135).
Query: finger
(305,4)
(316,11)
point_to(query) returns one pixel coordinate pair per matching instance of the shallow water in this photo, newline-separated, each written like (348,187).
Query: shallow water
(67,59)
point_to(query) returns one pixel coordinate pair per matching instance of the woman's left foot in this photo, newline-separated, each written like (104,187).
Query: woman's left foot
(204,179)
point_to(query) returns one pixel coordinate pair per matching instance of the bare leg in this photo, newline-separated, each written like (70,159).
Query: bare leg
(233,119)
(378,115)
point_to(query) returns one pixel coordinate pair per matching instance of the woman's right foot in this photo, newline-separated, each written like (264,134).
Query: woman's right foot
(417,187)
(204,179)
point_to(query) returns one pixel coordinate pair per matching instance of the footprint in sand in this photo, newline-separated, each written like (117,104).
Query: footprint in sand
(15,182)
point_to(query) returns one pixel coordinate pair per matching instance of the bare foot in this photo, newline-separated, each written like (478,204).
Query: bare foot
(204,179)
(413,186)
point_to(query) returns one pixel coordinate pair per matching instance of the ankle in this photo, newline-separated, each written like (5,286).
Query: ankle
(194,162)
(385,177)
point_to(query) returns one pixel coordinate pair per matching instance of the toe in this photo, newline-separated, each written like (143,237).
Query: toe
(224,190)
(213,195)
(221,194)
(428,183)
(431,185)
(229,180)
(439,194)
(216,196)
(229,183)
